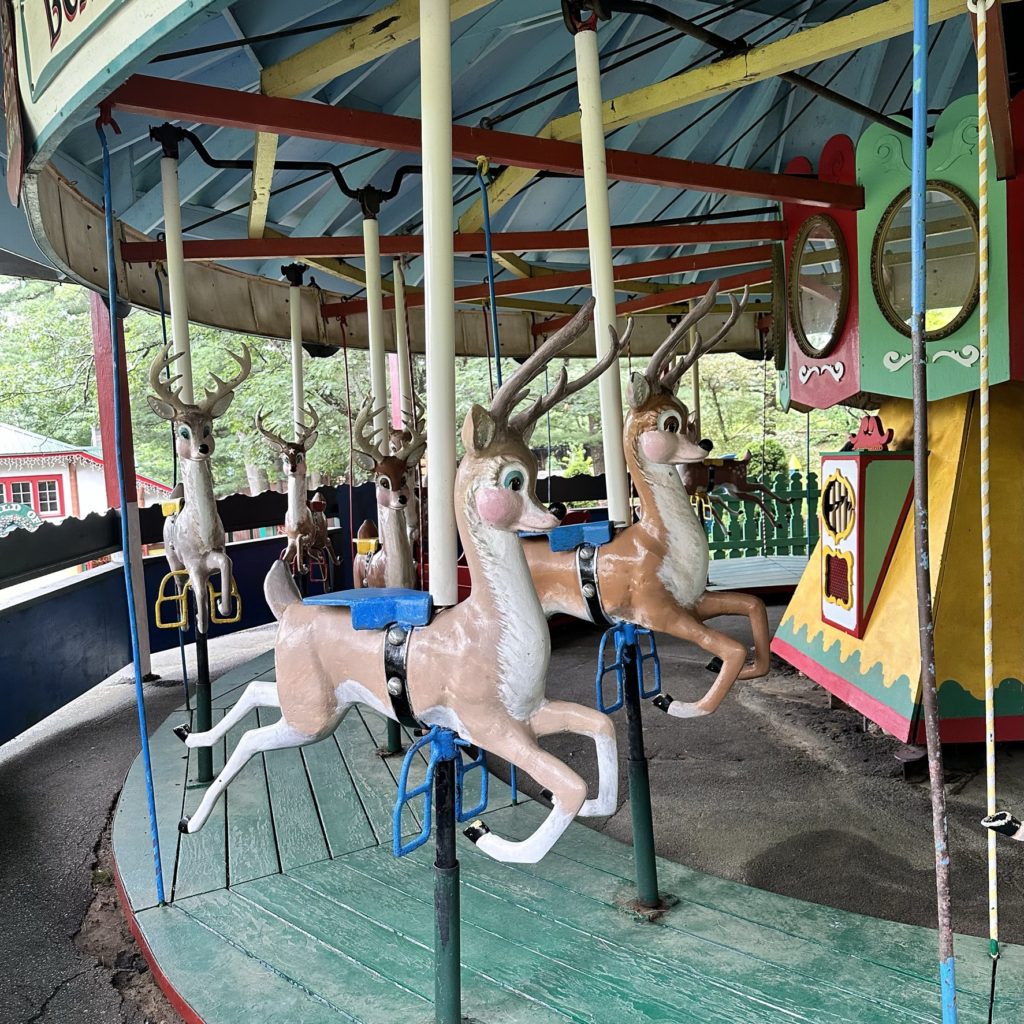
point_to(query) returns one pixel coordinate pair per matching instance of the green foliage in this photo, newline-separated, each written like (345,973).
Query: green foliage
(578,462)
(774,460)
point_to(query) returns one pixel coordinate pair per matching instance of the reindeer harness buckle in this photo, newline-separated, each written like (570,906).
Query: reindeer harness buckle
(445,745)
(628,648)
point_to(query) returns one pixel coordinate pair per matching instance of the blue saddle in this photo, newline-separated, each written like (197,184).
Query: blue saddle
(569,538)
(377,607)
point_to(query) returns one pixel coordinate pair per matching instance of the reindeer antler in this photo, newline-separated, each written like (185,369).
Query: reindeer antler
(513,390)
(364,442)
(212,398)
(671,378)
(275,439)
(417,441)
(307,425)
(164,389)
(679,332)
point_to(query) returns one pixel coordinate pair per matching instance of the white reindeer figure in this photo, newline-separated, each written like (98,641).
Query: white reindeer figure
(194,537)
(479,668)
(304,526)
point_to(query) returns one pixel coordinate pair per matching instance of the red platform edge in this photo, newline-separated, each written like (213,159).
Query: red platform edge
(174,997)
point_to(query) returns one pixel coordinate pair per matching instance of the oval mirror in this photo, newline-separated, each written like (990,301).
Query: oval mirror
(819,285)
(951,251)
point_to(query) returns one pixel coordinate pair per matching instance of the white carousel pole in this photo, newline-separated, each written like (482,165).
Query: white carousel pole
(375,321)
(293,272)
(599,235)
(168,136)
(439,282)
(402,342)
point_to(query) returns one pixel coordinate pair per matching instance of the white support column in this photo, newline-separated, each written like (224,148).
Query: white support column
(298,380)
(176,274)
(599,234)
(375,322)
(439,281)
(402,342)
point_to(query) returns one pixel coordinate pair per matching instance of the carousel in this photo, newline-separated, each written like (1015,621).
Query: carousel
(334,831)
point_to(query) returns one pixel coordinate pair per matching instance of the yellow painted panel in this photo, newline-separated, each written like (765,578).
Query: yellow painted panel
(262,179)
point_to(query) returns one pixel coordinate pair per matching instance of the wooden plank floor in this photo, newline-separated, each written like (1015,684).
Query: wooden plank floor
(774,573)
(289,907)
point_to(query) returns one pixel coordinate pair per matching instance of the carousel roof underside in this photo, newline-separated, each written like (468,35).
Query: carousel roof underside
(514,71)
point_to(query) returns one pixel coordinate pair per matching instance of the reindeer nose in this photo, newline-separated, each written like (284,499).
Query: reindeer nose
(706,444)
(204,449)
(403,499)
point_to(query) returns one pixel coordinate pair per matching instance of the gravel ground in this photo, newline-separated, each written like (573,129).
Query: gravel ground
(777,789)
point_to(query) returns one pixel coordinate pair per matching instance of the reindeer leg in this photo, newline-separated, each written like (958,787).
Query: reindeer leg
(300,556)
(711,605)
(755,500)
(200,591)
(259,694)
(511,740)
(270,737)
(223,565)
(752,485)
(561,716)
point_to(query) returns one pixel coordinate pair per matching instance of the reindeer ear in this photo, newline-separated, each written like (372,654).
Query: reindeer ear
(413,458)
(639,390)
(221,406)
(479,429)
(162,409)
(311,440)
(365,461)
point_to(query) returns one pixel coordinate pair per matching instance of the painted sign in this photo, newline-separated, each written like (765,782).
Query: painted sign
(12,105)
(52,30)
(17,517)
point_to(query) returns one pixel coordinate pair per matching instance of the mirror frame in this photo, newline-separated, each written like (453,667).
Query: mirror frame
(899,201)
(795,259)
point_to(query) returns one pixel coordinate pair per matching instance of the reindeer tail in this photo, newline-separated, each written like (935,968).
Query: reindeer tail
(279,588)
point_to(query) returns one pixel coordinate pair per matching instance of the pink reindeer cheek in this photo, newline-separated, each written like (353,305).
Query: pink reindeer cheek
(657,446)
(498,507)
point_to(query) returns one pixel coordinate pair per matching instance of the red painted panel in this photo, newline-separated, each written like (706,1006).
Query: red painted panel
(1015,244)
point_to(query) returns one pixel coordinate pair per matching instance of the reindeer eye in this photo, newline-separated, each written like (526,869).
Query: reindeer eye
(671,423)
(185,433)
(385,483)
(514,480)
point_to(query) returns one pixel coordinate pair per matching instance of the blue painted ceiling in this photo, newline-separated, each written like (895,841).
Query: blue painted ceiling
(513,64)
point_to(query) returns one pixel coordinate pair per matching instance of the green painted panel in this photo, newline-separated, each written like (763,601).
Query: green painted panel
(300,834)
(260,918)
(956,702)
(222,982)
(252,849)
(883,168)
(342,814)
(131,821)
(886,486)
(228,687)
(202,856)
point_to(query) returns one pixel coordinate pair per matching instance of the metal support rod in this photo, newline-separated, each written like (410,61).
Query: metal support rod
(176,274)
(204,705)
(447,912)
(929,697)
(595,178)
(640,792)
(402,342)
(695,370)
(375,326)
(293,272)
(439,282)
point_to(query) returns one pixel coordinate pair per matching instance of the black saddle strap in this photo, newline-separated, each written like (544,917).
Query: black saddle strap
(586,570)
(396,654)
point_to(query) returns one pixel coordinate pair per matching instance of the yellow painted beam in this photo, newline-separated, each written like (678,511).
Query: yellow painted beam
(262,180)
(374,36)
(874,24)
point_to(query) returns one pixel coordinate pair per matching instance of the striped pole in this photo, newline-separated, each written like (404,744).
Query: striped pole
(980,9)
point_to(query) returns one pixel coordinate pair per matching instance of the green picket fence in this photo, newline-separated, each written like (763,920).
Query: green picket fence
(748,533)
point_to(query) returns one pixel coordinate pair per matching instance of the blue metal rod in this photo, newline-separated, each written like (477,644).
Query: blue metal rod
(490,274)
(929,697)
(115,347)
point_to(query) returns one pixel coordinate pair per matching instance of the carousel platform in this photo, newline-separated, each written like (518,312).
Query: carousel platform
(758,574)
(290,908)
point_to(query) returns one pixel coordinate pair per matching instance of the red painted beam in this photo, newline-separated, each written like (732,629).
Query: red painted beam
(670,298)
(206,104)
(465,245)
(575,278)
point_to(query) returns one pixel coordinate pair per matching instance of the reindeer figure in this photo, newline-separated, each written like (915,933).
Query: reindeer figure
(479,667)
(397,440)
(304,526)
(391,565)
(654,572)
(702,479)
(194,537)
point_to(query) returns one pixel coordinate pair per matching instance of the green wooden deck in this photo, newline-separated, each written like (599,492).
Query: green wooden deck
(289,908)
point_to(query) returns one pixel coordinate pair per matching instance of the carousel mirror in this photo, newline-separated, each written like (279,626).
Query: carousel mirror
(819,286)
(951,276)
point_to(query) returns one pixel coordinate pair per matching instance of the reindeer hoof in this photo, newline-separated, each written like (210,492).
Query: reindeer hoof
(1003,822)
(714,665)
(663,701)
(182,732)
(183,826)
(548,795)
(476,831)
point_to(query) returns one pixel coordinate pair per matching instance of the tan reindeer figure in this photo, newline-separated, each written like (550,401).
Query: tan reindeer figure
(398,438)
(392,564)
(304,526)
(480,667)
(702,479)
(654,572)
(194,537)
